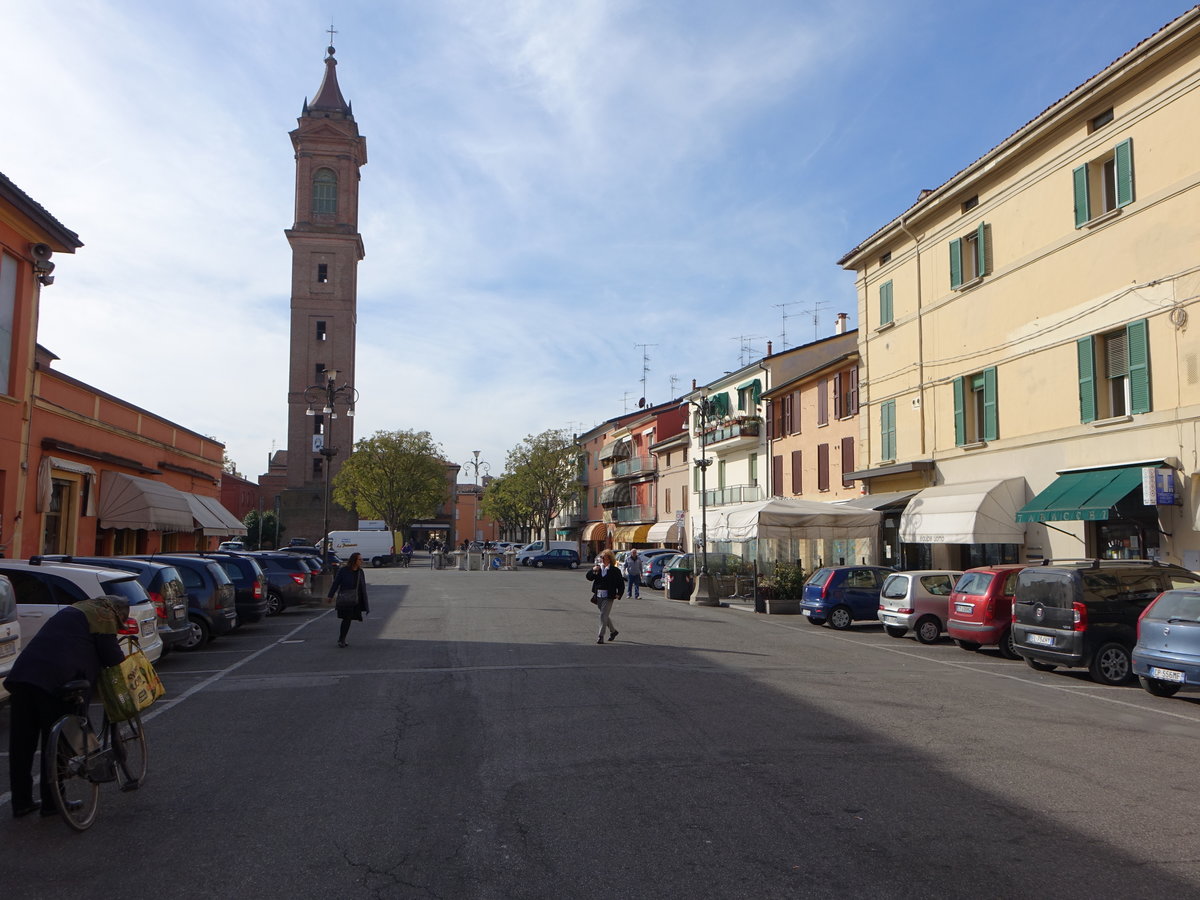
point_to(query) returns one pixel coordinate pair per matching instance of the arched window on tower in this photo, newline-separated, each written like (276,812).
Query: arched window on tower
(325,191)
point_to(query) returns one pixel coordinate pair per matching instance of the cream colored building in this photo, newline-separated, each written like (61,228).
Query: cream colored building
(1025,330)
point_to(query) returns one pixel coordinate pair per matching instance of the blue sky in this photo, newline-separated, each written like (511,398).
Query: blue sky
(550,183)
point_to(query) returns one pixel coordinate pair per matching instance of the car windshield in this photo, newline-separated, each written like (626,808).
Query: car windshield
(895,588)
(819,577)
(974,584)
(1176,605)
(127,588)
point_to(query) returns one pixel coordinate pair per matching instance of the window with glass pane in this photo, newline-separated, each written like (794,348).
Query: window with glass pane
(325,191)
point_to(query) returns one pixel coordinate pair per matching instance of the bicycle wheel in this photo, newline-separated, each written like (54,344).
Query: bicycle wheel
(128,741)
(76,796)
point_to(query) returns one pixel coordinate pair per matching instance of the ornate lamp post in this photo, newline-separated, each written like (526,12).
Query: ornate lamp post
(325,399)
(703,595)
(475,466)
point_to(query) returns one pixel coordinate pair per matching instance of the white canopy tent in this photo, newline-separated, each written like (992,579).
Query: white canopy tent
(787,518)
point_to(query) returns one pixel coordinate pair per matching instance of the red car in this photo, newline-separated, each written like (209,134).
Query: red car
(981,608)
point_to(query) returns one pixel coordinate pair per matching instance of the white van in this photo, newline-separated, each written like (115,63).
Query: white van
(10,631)
(531,550)
(375,546)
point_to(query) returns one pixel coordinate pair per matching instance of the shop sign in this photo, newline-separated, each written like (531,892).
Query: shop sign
(1158,486)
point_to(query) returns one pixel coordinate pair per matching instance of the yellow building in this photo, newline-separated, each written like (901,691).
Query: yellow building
(1025,331)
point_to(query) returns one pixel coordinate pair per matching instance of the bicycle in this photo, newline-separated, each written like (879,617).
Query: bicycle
(80,759)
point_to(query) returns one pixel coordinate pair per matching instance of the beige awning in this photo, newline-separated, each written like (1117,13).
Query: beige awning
(211,517)
(127,501)
(975,512)
(232,524)
(665,533)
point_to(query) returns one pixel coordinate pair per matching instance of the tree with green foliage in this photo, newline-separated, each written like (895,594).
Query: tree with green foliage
(261,534)
(545,471)
(507,505)
(396,476)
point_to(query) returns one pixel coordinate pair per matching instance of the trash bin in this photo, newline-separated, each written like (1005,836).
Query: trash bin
(679,584)
(437,561)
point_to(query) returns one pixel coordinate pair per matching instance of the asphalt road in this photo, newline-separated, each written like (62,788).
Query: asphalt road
(473,741)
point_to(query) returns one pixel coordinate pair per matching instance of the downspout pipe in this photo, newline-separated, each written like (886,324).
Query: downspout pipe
(920,339)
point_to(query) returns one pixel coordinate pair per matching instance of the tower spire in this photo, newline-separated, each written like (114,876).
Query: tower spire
(329,97)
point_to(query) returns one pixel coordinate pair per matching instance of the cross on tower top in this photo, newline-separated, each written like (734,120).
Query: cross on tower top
(332,31)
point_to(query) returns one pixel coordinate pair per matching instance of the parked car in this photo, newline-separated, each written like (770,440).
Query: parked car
(842,595)
(231,545)
(917,601)
(1084,614)
(1166,657)
(654,568)
(249,583)
(162,582)
(212,609)
(567,559)
(525,554)
(43,588)
(10,631)
(289,579)
(981,609)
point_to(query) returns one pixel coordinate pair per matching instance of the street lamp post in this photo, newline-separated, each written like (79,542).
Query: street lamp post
(327,398)
(703,594)
(475,466)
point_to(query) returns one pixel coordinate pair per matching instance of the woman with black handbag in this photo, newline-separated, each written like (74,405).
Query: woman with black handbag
(349,590)
(607,586)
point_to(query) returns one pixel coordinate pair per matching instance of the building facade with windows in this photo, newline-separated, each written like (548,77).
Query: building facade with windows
(1033,385)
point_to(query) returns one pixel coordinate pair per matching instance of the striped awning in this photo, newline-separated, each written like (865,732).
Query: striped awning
(640,533)
(595,531)
(665,533)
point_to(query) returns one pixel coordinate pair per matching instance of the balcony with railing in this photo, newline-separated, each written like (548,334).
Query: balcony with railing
(635,465)
(630,515)
(569,519)
(742,427)
(736,493)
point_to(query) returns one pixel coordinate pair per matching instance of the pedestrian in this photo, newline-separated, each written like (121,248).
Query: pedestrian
(607,586)
(349,587)
(633,575)
(75,643)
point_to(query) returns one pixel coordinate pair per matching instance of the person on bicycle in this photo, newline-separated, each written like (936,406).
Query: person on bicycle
(75,643)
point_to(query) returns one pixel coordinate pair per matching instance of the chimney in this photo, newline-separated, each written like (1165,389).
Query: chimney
(769,351)
(693,384)
(840,327)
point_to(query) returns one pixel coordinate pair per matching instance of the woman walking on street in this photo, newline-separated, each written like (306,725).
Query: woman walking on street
(349,587)
(607,586)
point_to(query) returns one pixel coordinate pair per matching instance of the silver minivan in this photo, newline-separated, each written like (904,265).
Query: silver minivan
(917,602)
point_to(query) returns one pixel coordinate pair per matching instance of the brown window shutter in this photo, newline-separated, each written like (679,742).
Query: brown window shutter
(797,472)
(852,396)
(822,467)
(823,401)
(838,412)
(796,412)
(771,435)
(777,476)
(847,460)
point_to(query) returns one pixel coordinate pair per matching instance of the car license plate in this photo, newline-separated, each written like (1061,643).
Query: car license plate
(1046,640)
(1166,674)
(10,647)
(148,627)
(965,608)
(806,612)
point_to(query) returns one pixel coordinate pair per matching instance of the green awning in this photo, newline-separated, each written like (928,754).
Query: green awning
(756,389)
(1089,496)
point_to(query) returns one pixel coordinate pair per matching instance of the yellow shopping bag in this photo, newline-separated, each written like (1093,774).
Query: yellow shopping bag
(140,678)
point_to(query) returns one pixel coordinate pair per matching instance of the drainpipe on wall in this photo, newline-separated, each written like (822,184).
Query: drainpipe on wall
(920,340)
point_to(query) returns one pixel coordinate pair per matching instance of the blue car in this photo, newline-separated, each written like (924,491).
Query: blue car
(567,559)
(841,595)
(1167,655)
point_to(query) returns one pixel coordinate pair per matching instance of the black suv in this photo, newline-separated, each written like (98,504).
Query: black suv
(1084,613)
(162,582)
(211,607)
(289,580)
(249,582)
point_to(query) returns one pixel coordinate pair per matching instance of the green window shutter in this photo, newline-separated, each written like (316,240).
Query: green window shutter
(991,421)
(955,263)
(887,429)
(696,479)
(1138,338)
(1123,158)
(981,249)
(960,418)
(885,303)
(1082,211)
(1086,355)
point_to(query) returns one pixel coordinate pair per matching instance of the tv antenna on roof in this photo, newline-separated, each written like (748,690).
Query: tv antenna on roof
(816,314)
(645,369)
(784,313)
(747,348)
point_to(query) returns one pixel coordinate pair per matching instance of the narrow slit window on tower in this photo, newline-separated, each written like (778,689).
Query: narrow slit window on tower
(320,331)
(325,192)
(318,424)
(320,372)
(317,466)
(322,273)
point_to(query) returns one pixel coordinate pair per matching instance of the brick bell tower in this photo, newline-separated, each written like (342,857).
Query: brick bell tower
(326,249)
